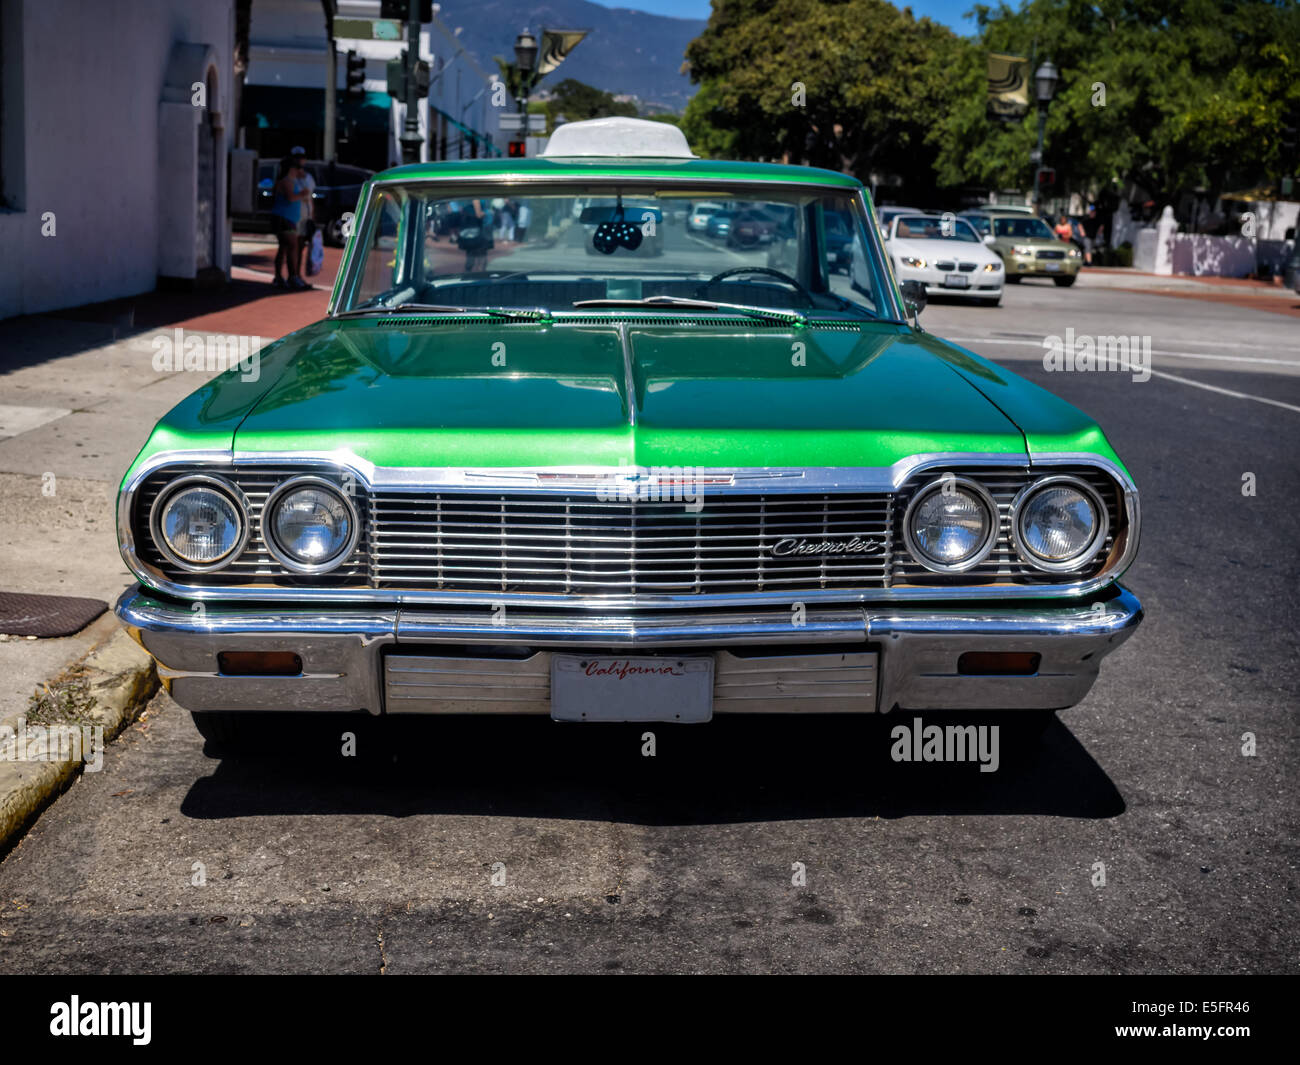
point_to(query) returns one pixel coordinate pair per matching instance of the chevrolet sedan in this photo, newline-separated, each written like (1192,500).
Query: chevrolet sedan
(619,489)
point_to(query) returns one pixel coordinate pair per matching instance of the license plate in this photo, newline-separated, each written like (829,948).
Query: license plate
(631,688)
(1053,266)
(956,281)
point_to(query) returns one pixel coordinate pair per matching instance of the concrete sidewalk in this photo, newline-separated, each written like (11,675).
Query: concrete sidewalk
(1240,292)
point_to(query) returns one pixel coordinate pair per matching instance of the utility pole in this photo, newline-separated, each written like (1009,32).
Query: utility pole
(331,97)
(411,127)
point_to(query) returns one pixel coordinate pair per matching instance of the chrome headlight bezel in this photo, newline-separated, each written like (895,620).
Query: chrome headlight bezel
(268,525)
(169,493)
(986,546)
(1095,543)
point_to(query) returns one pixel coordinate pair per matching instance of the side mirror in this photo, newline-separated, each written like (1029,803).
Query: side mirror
(914,298)
(989,238)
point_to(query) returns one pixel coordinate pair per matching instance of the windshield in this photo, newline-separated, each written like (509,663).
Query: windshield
(791,249)
(1024,228)
(922,227)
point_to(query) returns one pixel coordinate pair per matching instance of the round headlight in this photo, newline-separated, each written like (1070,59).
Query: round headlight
(1059,523)
(308,525)
(199,523)
(950,525)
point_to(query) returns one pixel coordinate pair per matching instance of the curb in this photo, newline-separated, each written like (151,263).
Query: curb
(122,679)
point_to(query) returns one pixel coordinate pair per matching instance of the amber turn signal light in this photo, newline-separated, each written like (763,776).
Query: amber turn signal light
(999,663)
(259,663)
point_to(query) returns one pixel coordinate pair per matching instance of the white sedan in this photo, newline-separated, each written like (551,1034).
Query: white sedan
(945,254)
(698,220)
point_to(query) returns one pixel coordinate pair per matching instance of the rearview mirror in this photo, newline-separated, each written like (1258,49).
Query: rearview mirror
(989,238)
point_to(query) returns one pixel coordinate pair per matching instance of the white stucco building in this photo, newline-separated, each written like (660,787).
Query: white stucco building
(115,120)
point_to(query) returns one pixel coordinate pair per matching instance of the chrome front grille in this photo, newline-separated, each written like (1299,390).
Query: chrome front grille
(515,543)
(577,545)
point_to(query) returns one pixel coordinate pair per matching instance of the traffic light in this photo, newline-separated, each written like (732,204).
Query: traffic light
(356,74)
(517,149)
(1046,177)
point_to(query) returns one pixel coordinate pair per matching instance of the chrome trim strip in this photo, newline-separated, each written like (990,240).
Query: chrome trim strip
(884,479)
(629,374)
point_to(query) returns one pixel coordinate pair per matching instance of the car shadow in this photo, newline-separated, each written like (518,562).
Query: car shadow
(737,769)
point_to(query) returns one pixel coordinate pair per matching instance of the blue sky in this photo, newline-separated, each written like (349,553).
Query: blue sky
(949,12)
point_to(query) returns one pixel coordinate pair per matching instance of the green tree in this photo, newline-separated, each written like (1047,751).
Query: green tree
(848,84)
(1172,100)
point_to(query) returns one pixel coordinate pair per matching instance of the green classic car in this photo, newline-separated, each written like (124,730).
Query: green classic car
(1027,245)
(534,481)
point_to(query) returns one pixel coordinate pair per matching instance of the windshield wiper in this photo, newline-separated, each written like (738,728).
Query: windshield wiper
(536,314)
(789,317)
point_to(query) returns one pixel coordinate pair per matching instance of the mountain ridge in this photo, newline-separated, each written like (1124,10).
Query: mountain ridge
(627,51)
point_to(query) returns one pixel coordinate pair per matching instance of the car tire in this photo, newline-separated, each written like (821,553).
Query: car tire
(1064,282)
(995,301)
(333,233)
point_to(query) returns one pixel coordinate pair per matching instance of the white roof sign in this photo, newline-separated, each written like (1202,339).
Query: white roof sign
(624,138)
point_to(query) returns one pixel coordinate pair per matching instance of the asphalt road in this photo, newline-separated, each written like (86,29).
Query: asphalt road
(614,862)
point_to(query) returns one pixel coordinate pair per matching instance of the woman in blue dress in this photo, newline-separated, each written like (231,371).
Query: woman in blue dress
(286,211)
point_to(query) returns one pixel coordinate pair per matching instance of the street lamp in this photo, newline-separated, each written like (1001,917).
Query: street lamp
(525,61)
(1046,78)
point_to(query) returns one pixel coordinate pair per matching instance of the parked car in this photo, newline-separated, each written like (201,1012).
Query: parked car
(698,220)
(337,189)
(946,256)
(719,224)
(1027,245)
(646,492)
(751,227)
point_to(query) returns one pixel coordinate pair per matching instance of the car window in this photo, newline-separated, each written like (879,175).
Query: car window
(1023,228)
(567,245)
(979,221)
(927,227)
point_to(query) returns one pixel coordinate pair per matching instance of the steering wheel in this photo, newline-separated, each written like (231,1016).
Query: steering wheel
(702,291)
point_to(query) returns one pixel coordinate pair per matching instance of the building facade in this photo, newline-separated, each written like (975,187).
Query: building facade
(115,124)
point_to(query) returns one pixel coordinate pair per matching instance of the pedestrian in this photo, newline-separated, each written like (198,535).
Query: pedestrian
(523,216)
(286,210)
(1062,228)
(474,236)
(306,223)
(1093,231)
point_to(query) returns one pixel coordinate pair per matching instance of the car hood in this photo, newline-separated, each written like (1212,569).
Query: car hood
(600,391)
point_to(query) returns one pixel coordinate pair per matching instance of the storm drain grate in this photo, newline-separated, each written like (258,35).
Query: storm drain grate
(46,615)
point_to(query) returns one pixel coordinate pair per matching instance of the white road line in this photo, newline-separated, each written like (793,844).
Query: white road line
(1224,391)
(1155,351)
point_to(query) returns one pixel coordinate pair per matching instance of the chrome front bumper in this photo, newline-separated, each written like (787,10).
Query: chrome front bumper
(849,659)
